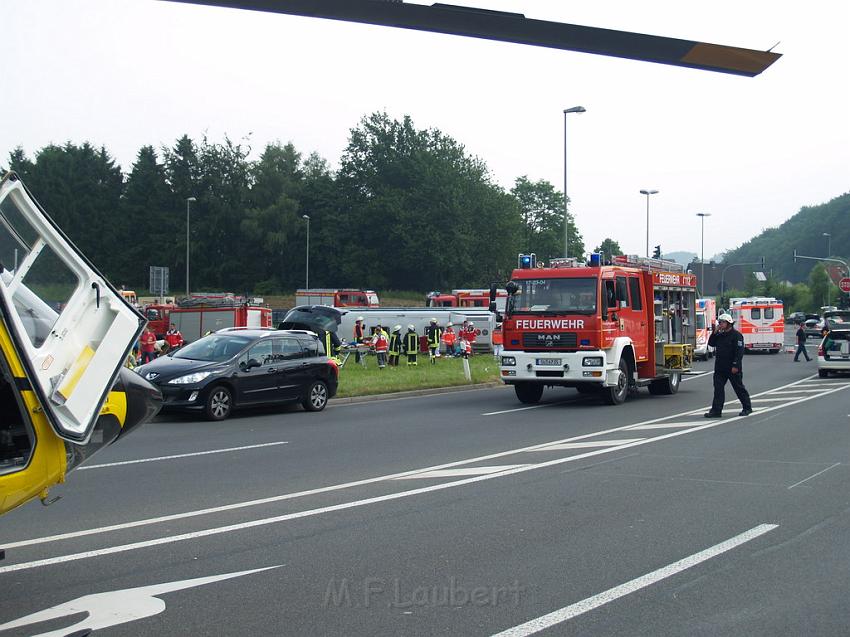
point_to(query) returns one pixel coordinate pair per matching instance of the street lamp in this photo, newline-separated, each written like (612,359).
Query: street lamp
(648,193)
(574,109)
(189,200)
(307,283)
(702,216)
(828,278)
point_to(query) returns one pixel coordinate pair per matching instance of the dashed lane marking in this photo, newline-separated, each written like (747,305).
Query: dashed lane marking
(465,471)
(668,425)
(589,444)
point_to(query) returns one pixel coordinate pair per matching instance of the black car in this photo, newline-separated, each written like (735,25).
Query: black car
(239,367)
(795,318)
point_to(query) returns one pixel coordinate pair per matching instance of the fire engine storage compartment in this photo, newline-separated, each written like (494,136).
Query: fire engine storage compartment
(675,326)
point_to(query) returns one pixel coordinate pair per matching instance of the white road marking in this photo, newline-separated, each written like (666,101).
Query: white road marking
(771,400)
(465,471)
(612,594)
(510,411)
(289,496)
(797,391)
(180,455)
(696,375)
(116,607)
(586,445)
(814,476)
(668,425)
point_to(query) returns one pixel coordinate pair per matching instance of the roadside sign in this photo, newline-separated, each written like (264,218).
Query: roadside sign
(844,284)
(158,280)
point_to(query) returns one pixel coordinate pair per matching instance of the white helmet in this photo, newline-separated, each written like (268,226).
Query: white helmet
(433,320)
(411,327)
(449,324)
(360,318)
(397,328)
(726,317)
(471,324)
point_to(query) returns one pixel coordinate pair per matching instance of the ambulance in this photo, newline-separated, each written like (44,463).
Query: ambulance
(761,321)
(706,317)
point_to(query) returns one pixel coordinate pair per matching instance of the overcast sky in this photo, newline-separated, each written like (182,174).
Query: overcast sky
(749,151)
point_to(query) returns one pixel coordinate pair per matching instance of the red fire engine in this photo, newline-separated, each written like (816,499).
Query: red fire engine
(603,329)
(465,298)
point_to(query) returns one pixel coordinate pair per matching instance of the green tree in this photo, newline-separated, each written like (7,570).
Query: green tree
(609,248)
(417,212)
(542,210)
(153,229)
(819,284)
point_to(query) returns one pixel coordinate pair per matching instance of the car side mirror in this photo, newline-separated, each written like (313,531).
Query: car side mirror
(252,362)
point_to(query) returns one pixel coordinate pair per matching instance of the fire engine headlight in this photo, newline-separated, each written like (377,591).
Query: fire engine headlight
(592,361)
(508,361)
(189,379)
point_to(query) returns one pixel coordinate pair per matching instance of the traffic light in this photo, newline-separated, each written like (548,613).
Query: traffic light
(526,261)
(657,253)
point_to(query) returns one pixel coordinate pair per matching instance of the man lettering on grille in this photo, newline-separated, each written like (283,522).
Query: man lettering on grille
(728,356)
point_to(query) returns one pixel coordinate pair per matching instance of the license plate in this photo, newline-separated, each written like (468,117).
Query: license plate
(548,361)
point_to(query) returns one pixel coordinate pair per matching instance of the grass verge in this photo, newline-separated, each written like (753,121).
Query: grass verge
(356,380)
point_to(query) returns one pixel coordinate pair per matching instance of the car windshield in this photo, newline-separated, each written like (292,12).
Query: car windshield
(556,296)
(700,321)
(214,348)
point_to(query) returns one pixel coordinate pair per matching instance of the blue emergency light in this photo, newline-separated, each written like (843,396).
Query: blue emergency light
(526,261)
(595,259)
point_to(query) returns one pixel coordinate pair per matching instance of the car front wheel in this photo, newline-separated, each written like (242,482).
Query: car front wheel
(219,403)
(317,397)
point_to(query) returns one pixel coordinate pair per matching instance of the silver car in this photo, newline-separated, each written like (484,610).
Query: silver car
(834,353)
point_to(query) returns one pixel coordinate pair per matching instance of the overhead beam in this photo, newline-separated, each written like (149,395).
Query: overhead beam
(516,28)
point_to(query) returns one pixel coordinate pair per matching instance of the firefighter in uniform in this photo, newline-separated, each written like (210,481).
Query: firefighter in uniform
(395,346)
(411,345)
(434,333)
(728,356)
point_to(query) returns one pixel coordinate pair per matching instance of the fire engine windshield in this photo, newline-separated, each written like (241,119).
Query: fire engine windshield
(556,296)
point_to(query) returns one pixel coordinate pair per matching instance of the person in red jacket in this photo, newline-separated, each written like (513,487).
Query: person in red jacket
(174,338)
(147,345)
(381,344)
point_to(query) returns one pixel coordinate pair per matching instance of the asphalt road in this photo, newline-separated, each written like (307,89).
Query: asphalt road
(462,513)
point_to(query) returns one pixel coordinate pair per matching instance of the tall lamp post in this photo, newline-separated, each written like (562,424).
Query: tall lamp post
(829,278)
(307,282)
(574,109)
(702,216)
(189,200)
(648,193)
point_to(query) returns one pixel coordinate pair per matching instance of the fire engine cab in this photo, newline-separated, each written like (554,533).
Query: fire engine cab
(603,329)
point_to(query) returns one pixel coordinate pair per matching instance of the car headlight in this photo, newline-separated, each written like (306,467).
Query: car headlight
(592,361)
(189,379)
(508,361)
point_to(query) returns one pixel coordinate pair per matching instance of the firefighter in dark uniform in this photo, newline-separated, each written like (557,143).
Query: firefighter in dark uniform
(728,356)
(433,333)
(411,345)
(395,346)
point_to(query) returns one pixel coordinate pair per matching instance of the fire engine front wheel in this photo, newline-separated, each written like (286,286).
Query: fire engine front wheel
(528,392)
(617,395)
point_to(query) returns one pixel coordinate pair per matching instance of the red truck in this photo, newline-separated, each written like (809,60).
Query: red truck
(604,329)
(465,298)
(199,314)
